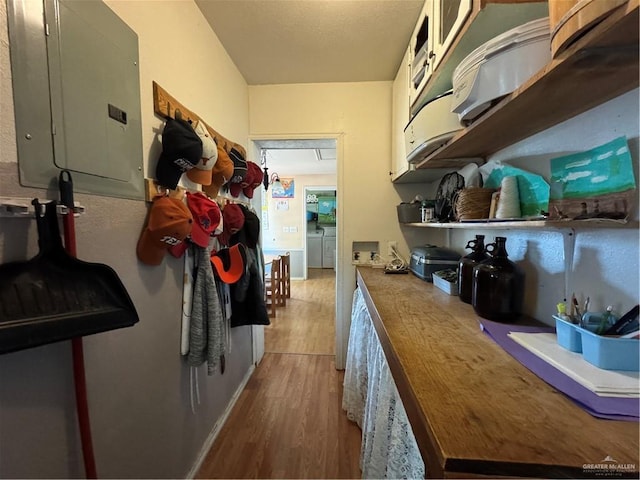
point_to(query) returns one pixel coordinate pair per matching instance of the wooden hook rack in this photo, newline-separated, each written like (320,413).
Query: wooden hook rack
(165,105)
(152,189)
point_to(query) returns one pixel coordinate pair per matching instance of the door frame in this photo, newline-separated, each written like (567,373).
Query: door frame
(342,320)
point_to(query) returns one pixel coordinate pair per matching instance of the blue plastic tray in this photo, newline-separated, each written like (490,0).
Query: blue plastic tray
(610,353)
(568,335)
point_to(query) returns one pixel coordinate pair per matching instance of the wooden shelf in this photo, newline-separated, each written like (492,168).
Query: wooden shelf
(598,67)
(526,224)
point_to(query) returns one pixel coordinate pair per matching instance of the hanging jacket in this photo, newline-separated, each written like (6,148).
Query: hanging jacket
(247,295)
(206,336)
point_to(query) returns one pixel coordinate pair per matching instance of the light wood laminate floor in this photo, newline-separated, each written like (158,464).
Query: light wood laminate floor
(307,323)
(288,422)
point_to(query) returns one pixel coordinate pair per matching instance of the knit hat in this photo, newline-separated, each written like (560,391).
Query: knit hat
(181,151)
(169,222)
(201,172)
(233,221)
(229,263)
(206,217)
(221,173)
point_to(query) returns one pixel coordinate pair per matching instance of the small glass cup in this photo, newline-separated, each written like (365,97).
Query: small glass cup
(426,214)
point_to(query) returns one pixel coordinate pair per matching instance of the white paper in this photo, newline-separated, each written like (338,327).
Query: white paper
(606,383)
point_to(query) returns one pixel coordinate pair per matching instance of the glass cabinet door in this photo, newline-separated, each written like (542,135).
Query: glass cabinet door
(421,48)
(450,16)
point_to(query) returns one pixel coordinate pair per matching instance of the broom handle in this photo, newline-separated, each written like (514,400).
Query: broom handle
(79,378)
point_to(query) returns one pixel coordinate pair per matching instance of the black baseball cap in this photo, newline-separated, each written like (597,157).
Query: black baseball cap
(181,151)
(239,166)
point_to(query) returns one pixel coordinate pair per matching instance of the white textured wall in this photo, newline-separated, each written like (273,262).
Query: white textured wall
(138,385)
(605,265)
(274,237)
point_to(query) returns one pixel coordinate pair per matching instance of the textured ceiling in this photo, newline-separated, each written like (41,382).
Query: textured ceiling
(313,41)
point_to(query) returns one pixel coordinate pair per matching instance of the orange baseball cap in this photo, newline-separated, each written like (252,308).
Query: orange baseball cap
(169,222)
(229,263)
(221,173)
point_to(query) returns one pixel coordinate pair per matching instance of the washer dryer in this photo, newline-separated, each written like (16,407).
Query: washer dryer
(329,247)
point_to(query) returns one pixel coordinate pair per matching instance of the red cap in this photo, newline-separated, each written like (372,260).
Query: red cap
(179,249)
(206,217)
(255,176)
(233,221)
(251,181)
(168,223)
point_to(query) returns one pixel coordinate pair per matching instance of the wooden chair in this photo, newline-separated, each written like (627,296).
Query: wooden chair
(285,278)
(272,288)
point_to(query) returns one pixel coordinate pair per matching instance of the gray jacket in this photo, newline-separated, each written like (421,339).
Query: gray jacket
(206,336)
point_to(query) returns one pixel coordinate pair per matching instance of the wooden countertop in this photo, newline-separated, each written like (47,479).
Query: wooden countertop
(474,409)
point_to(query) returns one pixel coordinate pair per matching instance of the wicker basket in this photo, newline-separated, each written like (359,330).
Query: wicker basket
(472,203)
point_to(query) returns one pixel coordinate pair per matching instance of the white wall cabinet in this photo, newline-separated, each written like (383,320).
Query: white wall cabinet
(448,30)
(564,83)
(439,23)
(421,51)
(449,18)
(400,118)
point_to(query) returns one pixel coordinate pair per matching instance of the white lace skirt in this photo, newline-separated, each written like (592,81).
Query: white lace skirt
(370,398)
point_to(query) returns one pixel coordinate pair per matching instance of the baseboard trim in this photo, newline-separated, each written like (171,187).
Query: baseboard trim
(218,425)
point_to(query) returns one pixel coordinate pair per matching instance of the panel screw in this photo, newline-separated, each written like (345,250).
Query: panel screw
(28,136)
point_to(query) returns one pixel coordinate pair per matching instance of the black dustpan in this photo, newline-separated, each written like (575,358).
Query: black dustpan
(55,296)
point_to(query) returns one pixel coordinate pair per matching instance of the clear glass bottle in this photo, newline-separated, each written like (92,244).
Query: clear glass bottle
(465,268)
(498,287)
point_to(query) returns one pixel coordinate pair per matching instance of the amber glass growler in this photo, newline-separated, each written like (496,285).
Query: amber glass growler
(465,268)
(498,286)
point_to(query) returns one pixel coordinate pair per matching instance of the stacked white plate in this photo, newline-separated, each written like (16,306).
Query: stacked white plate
(499,66)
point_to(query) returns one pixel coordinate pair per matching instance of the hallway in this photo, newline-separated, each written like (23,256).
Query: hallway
(288,422)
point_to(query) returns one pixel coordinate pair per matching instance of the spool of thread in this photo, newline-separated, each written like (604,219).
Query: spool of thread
(473,203)
(509,202)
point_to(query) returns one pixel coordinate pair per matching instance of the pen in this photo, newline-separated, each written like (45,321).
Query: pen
(586,305)
(575,304)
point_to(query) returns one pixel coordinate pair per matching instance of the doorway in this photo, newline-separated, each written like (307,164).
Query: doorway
(302,165)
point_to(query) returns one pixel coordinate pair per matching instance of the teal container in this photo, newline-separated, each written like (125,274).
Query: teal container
(610,353)
(568,334)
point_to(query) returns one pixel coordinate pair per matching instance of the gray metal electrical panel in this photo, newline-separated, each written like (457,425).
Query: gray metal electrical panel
(76,85)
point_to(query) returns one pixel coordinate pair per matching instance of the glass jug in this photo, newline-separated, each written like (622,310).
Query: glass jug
(465,268)
(498,286)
